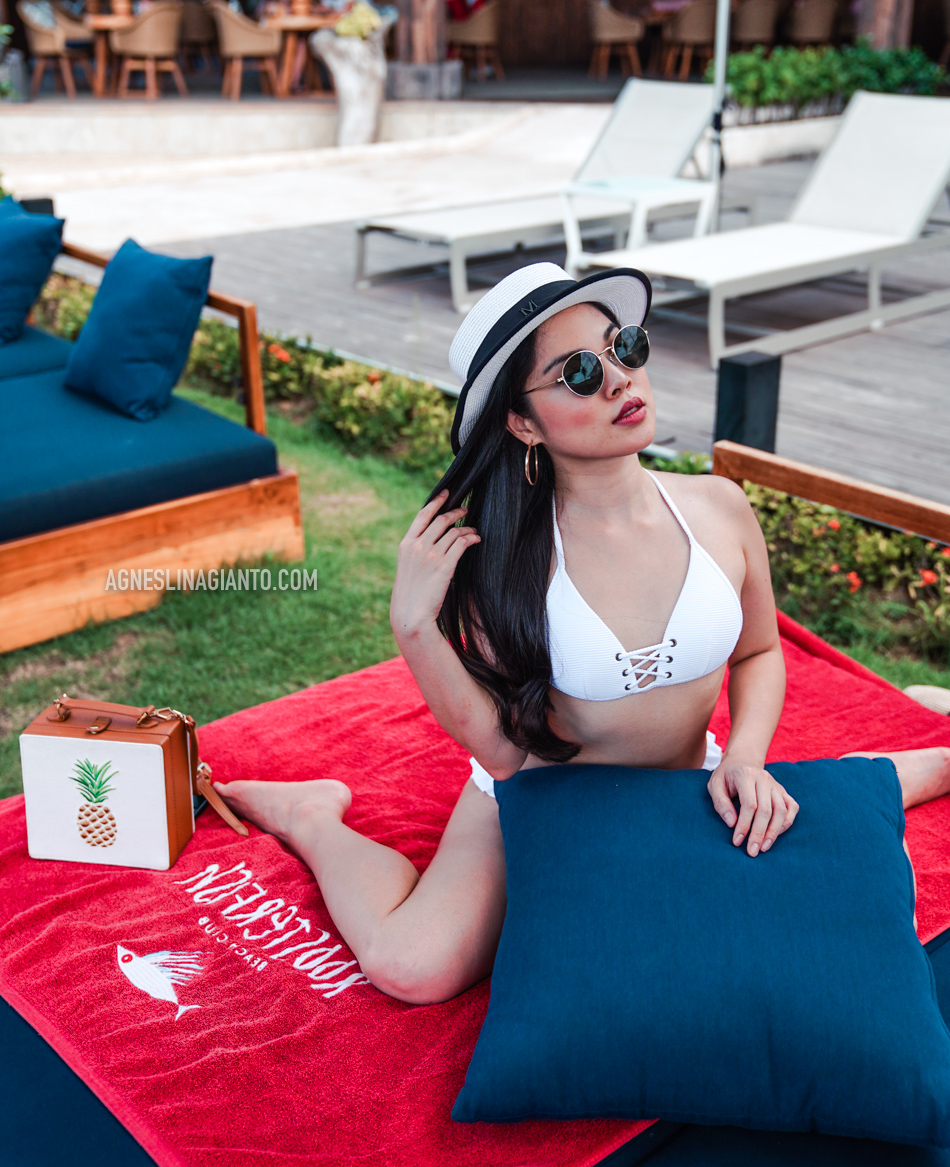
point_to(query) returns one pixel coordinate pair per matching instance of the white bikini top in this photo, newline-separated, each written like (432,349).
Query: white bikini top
(589,662)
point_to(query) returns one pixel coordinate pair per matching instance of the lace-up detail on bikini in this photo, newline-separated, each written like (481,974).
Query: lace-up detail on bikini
(589,662)
(645,664)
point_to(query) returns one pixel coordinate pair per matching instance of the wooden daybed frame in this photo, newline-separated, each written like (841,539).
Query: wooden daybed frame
(907,512)
(54,582)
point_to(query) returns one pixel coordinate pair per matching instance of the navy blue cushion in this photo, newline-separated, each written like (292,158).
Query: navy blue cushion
(135,343)
(33,352)
(649,969)
(28,246)
(74,458)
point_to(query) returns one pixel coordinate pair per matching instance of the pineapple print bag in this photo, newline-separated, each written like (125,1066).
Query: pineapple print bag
(113,784)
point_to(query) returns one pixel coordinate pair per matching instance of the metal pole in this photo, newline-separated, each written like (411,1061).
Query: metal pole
(719,88)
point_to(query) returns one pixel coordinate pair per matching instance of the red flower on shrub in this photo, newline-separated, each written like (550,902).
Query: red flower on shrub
(855,581)
(834,524)
(834,567)
(280,353)
(946,552)
(928,576)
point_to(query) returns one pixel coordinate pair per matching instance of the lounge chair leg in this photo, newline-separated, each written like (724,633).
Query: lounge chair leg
(69,83)
(573,240)
(151,79)
(237,73)
(716,325)
(361,281)
(124,77)
(270,72)
(458,278)
(226,77)
(874,294)
(686,62)
(638,224)
(634,56)
(178,79)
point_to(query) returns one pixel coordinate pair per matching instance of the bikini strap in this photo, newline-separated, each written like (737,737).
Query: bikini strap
(558,545)
(673,507)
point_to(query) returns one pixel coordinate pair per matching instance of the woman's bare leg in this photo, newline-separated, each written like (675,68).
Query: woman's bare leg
(923,774)
(421,939)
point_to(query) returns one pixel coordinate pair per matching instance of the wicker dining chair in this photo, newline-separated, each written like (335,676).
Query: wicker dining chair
(612,31)
(475,41)
(692,30)
(199,34)
(150,45)
(76,32)
(812,22)
(754,23)
(242,40)
(48,46)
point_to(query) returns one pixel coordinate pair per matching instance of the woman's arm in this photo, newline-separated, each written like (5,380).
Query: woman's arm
(756,696)
(428,556)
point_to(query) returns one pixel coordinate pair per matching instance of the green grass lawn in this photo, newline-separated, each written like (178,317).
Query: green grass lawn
(211,653)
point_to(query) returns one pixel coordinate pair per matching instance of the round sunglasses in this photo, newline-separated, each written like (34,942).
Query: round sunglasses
(583,372)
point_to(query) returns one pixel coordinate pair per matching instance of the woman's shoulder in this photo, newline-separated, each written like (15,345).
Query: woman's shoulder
(704,493)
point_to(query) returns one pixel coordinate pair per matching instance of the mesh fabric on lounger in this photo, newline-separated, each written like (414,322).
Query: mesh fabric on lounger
(652,133)
(864,207)
(290,1056)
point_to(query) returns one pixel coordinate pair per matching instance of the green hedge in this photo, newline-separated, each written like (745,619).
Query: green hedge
(850,581)
(825,78)
(368,410)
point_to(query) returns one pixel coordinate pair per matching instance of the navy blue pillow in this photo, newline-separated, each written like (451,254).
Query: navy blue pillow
(28,246)
(649,969)
(135,343)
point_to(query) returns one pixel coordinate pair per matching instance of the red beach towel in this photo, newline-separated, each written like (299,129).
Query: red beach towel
(216,1011)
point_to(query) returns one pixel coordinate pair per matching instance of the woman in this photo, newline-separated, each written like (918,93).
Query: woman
(513,614)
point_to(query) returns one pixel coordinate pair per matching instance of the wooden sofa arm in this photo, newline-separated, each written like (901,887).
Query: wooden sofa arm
(251,376)
(891,507)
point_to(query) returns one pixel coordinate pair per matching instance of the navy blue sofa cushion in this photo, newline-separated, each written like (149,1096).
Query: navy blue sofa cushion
(649,969)
(70,458)
(135,342)
(33,352)
(28,246)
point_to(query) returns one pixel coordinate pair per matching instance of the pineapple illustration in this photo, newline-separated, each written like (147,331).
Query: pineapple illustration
(95,821)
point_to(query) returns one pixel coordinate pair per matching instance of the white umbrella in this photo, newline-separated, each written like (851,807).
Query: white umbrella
(719,86)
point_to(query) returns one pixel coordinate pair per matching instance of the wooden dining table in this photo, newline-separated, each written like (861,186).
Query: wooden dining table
(294,26)
(101,24)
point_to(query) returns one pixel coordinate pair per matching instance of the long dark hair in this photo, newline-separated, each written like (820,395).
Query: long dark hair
(494,611)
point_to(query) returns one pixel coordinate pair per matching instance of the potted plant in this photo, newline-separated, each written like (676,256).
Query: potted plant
(12,68)
(353,52)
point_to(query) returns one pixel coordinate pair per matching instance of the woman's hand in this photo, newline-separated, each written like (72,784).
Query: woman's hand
(428,555)
(766,809)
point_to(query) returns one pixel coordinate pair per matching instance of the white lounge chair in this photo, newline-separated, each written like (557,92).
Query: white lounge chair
(651,134)
(864,207)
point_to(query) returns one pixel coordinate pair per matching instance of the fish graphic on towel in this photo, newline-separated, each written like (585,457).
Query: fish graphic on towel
(159,972)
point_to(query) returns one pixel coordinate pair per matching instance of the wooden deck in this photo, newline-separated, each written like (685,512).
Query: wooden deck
(876,405)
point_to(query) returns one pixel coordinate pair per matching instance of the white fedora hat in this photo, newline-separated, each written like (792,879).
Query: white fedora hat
(504,316)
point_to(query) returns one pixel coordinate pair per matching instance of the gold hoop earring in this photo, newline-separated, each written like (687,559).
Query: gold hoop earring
(527,473)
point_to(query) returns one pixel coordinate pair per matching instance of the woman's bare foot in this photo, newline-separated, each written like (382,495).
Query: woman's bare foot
(924,774)
(284,808)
